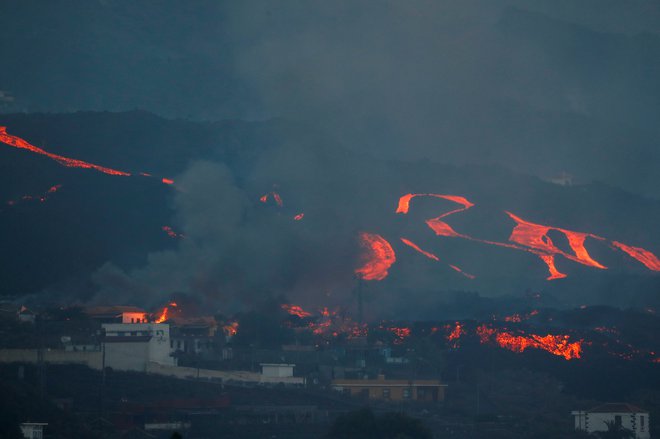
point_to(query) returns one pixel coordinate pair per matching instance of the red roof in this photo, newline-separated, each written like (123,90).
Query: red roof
(616,407)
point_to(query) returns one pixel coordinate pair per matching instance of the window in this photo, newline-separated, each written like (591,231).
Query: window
(407,393)
(386,393)
(641,422)
(617,420)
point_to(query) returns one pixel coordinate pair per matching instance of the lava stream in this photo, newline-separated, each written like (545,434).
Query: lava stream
(411,244)
(458,270)
(434,257)
(536,236)
(299,217)
(17,142)
(404,202)
(378,257)
(647,258)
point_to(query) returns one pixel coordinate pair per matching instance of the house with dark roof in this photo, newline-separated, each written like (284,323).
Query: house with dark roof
(622,415)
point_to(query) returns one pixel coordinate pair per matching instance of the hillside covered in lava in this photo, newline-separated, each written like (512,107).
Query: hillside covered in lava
(239,211)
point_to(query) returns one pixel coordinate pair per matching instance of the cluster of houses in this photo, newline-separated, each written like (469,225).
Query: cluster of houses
(128,340)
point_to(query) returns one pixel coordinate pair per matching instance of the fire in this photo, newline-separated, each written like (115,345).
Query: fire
(167,181)
(163,315)
(555,344)
(17,142)
(230,329)
(171,233)
(296,310)
(647,258)
(299,217)
(378,257)
(455,334)
(400,333)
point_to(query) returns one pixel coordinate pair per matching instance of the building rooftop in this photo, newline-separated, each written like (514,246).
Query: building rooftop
(616,407)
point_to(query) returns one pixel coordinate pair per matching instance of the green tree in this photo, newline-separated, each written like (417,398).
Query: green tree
(615,431)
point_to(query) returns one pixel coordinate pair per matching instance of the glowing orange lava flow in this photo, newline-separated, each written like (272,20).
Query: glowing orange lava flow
(434,257)
(296,310)
(536,236)
(17,142)
(411,244)
(163,314)
(299,217)
(458,270)
(647,258)
(404,202)
(529,237)
(555,344)
(378,257)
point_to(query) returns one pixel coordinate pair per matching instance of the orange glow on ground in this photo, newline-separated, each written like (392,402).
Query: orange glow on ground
(167,181)
(299,217)
(378,256)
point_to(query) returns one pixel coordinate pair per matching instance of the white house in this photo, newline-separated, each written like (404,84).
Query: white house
(33,430)
(132,346)
(626,415)
(276,370)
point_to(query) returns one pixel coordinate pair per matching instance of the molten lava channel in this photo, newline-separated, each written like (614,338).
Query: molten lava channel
(20,143)
(529,237)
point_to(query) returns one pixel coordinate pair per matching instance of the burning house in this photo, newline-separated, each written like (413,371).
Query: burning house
(117,314)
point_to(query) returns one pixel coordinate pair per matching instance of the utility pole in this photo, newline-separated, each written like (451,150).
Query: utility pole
(360,310)
(103,375)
